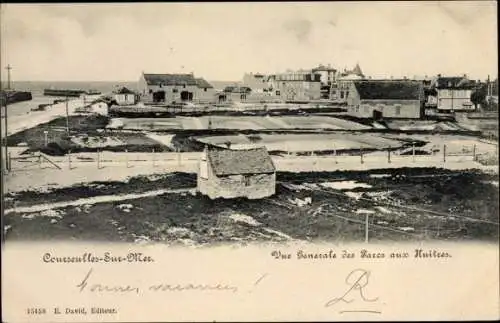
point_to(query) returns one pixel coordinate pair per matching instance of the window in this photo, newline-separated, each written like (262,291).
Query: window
(398,110)
(243,96)
(246,180)
(205,89)
(184,86)
(150,91)
(341,94)
(278,93)
(175,90)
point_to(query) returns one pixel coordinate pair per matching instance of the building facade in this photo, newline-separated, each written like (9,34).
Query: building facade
(379,99)
(328,77)
(257,82)
(302,85)
(452,93)
(125,96)
(227,173)
(343,83)
(174,88)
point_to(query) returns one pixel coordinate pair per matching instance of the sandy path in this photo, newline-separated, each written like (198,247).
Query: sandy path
(22,122)
(94,200)
(86,172)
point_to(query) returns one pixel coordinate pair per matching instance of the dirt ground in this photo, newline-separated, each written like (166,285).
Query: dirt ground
(89,135)
(403,204)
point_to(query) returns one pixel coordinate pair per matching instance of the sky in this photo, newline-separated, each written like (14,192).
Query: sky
(222,41)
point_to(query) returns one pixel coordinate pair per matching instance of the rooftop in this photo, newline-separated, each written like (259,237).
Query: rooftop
(170,79)
(237,89)
(124,90)
(455,82)
(239,162)
(202,83)
(389,90)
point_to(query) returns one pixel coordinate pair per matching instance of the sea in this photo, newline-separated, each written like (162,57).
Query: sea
(105,87)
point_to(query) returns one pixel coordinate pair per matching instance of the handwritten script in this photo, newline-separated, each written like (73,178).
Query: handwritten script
(357,281)
(353,299)
(88,284)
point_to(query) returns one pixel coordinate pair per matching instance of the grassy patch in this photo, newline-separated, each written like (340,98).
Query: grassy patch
(92,126)
(404,200)
(137,184)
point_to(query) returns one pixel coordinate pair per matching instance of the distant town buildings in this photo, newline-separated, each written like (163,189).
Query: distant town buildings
(301,85)
(174,88)
(257,82)
(124,96)
(328,77)
(452,93)
(344,81)
(379,99)
(234,94)
(439,94)
(228,173)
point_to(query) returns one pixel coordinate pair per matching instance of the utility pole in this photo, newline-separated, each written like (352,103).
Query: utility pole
(67,116)
(366,228)
(8,68)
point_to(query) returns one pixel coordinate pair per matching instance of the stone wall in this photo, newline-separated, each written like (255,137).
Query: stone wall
(404,109)
(250,186)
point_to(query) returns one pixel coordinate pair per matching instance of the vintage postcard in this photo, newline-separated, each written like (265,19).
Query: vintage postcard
(286,161)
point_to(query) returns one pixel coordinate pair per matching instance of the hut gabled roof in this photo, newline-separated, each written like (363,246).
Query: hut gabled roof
(240,162)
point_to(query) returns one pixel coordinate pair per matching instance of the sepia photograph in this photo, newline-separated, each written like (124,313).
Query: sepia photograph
(185,128)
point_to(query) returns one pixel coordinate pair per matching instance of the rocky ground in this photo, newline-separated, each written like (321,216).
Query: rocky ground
(403,204)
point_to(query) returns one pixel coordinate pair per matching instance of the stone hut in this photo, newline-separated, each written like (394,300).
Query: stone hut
(230,173)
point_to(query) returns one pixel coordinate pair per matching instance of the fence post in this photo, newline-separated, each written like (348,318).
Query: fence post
(153,157)
(9,161)
(126,158)
(39,160)
(366,228)
(178,157)
(389,155)
(413,151)
(444,153)
(474,152)
(69,159)
(335,154)
(361,154)
(98,159)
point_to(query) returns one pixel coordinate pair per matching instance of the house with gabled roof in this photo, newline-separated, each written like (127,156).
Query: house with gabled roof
(386,99)
(174,88)
(453,93)
(125,96)
(232,173)
(343,83)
